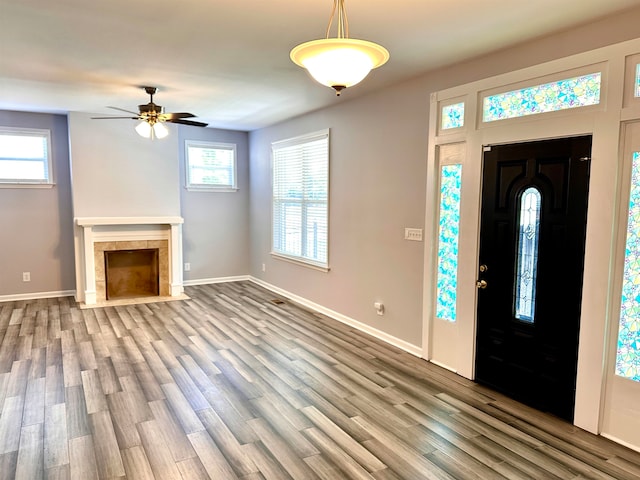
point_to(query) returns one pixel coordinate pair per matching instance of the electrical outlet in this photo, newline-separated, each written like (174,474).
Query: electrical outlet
(414,234)
(264,267)
(187,267)
(26,276)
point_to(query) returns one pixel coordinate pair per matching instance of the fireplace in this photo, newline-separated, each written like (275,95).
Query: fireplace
(131,273)
(136,238)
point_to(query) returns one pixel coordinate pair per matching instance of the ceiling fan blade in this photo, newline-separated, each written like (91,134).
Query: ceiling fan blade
(114,118)
(123,110)
(173,116)
(188,122)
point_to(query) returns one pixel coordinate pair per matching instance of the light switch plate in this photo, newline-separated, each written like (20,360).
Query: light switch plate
(414,234)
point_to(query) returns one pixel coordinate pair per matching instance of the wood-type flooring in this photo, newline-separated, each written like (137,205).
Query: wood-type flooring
(231,385)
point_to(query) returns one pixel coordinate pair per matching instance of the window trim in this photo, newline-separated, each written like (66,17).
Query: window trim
(28,183)
(299,260)
(198,187)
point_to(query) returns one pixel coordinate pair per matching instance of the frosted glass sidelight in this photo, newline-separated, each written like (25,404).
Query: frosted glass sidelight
(628,354)
(637,89)
(526,271)
(549,97)
(452,116)
(448,233)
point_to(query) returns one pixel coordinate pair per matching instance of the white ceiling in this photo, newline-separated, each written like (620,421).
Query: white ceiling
(228,61)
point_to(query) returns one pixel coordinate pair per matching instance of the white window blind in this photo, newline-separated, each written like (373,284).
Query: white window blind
(300,198)
(210,166)
(24,156)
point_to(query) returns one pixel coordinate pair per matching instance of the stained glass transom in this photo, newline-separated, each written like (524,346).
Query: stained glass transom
(526,271)
(637,94)
(448,233)
(628,357)
(453,116)
(549,97)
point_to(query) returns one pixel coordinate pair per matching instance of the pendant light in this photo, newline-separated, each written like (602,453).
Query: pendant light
(339,62)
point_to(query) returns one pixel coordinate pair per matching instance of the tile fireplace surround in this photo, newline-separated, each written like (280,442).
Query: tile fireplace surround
(126,233)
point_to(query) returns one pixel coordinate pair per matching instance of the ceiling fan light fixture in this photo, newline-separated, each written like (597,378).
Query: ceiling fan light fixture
(147,129)
(339,62)
(160,130)
(144,129)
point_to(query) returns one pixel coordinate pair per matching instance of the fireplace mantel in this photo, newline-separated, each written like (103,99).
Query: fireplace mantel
(106,229)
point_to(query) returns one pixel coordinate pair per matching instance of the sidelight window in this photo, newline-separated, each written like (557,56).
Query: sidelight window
(448,233)
(527,250)
(628,352)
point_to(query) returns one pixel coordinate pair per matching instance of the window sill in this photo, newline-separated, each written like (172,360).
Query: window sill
(211,189)
(301,262)
(26,185)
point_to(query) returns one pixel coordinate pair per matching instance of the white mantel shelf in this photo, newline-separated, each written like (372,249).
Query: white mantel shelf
(97,221)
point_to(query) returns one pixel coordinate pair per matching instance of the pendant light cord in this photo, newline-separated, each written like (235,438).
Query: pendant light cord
(343,23)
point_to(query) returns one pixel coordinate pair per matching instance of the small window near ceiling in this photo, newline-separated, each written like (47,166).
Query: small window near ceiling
(452,116)
(301,199)
(628,351)
(448,234)
(210,166)
(25,156)
(575,92)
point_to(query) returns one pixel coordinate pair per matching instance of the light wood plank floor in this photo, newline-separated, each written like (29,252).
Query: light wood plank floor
(230,385)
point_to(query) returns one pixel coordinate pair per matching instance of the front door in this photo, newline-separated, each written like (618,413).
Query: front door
(532,236)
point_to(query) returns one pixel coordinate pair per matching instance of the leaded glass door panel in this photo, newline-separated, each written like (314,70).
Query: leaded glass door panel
(533,224)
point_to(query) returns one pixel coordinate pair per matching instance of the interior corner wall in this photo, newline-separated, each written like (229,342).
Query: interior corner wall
(37,225)
(215,233)
(378,155)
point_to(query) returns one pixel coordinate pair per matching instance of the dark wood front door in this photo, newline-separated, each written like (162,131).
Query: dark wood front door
(533,223)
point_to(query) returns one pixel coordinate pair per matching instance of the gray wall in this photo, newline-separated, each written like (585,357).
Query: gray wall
(378,159)
(216,224)
(36,233)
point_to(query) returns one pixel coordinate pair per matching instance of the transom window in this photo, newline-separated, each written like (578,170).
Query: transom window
(452,116)
(210,166)
(301,198)
(573,92)
(25,156)
(527,250)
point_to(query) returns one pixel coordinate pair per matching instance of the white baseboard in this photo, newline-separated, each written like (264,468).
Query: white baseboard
(36,295)
(208,281)
(621,442)
(374,332)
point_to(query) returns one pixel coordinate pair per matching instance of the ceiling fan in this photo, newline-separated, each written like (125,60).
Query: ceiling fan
(152,117)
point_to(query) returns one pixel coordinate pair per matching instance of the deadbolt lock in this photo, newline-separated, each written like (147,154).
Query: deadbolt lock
(482,284)
(483,268)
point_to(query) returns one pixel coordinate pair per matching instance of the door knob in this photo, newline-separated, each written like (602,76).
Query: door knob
(482,284)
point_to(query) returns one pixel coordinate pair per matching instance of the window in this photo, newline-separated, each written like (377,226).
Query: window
(527,248)
(452,116)
(448,233)
(637,89)
(25,156)
(628,352)
(549,97)
(300,198)
(210,166)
